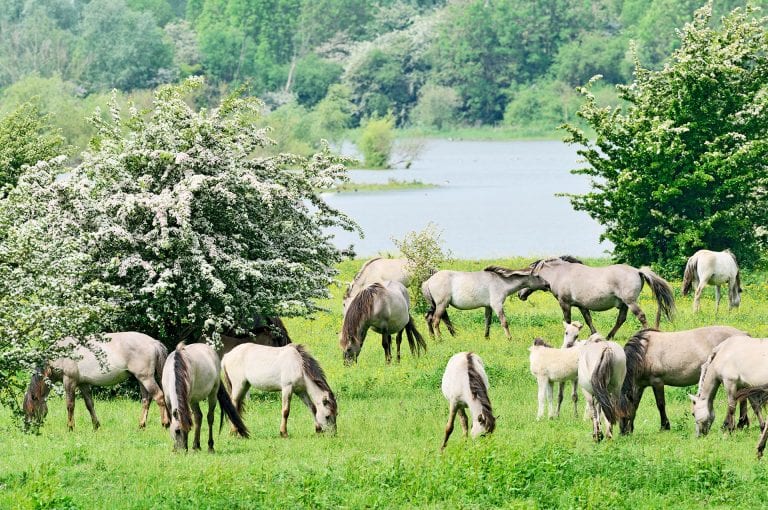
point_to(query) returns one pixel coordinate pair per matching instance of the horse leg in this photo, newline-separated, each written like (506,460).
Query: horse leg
(550,399)
(287,392)
(144,406)
(85,391)
(428,317)
(69,391)
(595,410)
(588,318)
(503,319)
(488,312)
(743,416)
(543,381)
(449,425)
(399,340)
(211,417)
(761,443)
(620,319)
(575,398)
(448,323)
(566,308)
(756,407)
(152,389)
(661,405)
(197,419)
(464,421)
(386,343)
(730,389)
(561,390)
(440,309)
(717,298)
(639,313)
(239,390)
(697,295)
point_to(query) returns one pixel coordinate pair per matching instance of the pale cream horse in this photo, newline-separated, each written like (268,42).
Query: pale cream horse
(602,368)
(377,270)
(712,268)
(465,385)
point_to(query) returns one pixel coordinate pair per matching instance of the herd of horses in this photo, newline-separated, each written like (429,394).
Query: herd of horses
(612,377)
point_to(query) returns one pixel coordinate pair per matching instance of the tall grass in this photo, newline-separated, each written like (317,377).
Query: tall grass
(386,453)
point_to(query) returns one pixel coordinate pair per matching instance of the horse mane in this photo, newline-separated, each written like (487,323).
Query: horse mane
(507,273)
(705,366)
(541,342)
(689,274)
(480,392)
(359,309)
(181,374)
(358,275)
(634,350)
(536,266)
(314,372)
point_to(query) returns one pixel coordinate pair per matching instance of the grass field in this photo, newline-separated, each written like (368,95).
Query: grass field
(391,419)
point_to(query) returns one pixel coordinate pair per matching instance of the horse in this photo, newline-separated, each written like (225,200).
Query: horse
(376,270)
(602,367)
(265,331)
(464,290)
(551,365)
(191,374)
(100,363)
(385,308)
(757,394)
(465,385)
(738,362)
(656,359)
(712,268)
(601,288)
(287,369)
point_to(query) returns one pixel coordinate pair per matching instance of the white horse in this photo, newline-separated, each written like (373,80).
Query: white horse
(467,290)
(191,374)
(377,270)
(551,365)
(712,268)
(465,385)
(737,363)
(286,369)
(100,363)
(602,368)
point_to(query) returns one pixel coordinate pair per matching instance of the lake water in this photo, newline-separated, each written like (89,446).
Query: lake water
(495,199)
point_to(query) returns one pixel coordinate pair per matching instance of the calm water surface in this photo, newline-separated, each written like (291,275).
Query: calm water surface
(495,199)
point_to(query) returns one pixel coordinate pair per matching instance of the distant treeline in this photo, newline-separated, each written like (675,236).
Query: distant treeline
(324,66)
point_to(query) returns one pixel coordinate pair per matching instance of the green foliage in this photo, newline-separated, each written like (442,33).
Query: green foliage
(684,167)
(376,141)
(313,77)
(333,114)
(26,137)
(592,54)
(425,254)
(437,106)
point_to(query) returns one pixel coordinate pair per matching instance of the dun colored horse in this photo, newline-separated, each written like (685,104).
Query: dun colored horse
(551,365)
(465,385)
(712,268)
(602,367)
(376,270)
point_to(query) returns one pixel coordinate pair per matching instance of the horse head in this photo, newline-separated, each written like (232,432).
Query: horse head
(35,407)
(702,413)
(571,333)
(325,414)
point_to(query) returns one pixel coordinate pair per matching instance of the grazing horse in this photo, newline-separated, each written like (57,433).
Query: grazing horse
(656,359)
(551,365)
(758,395)
(376,270)
(465,385)
(191,374)
(738,362)
(464,290)
(601,288)
(286,369)
(265,331)
(385,308)
(100,363)
(602,367)
(712,268)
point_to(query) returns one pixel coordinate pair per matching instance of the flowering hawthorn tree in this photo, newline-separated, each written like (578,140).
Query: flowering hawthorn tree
(173,225)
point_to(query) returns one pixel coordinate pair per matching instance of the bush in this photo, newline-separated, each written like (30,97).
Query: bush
(376,141)
(436,107)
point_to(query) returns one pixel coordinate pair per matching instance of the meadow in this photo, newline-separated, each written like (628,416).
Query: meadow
(390,427)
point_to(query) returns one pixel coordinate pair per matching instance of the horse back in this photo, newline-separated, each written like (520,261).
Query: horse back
(264,367)
(204,367)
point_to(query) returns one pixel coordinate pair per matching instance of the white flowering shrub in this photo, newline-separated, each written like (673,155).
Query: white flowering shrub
(172,225)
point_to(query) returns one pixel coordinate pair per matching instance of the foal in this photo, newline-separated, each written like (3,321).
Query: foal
(551,365)
(466,385)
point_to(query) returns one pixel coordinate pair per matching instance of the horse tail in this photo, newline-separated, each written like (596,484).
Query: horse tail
(415,340)
(600,379)
(161,354)
(662,291)
(758,394)
(690,274)
(228,408)
(182,382)
(425,292)
(634,350)
(479,390)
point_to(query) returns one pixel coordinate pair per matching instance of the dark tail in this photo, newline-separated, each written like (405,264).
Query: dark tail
(662,291)
(689,275)
(415,340)
(734,291)
(228,408)
(600,378)
(432,307)
(161,354)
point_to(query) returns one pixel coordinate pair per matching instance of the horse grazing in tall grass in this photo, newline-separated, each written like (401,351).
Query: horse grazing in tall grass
(737,363)
(467,290)
(191,374)
(758,395)
(265,331)
(656,359)
(100,363)
(385,308)
(550,365)
(712,268)
(465,385)
(376,270)
(601,288)
(602,368)
(289,369)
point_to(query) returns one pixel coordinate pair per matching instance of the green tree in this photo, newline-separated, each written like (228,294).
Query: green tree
(376,141)
(437,106)
(683,167)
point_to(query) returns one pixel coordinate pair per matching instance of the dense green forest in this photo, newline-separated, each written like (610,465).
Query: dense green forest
(325,66)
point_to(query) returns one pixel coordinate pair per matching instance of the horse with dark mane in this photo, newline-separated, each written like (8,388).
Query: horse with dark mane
(385,308)
(601,288)
(465,385)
